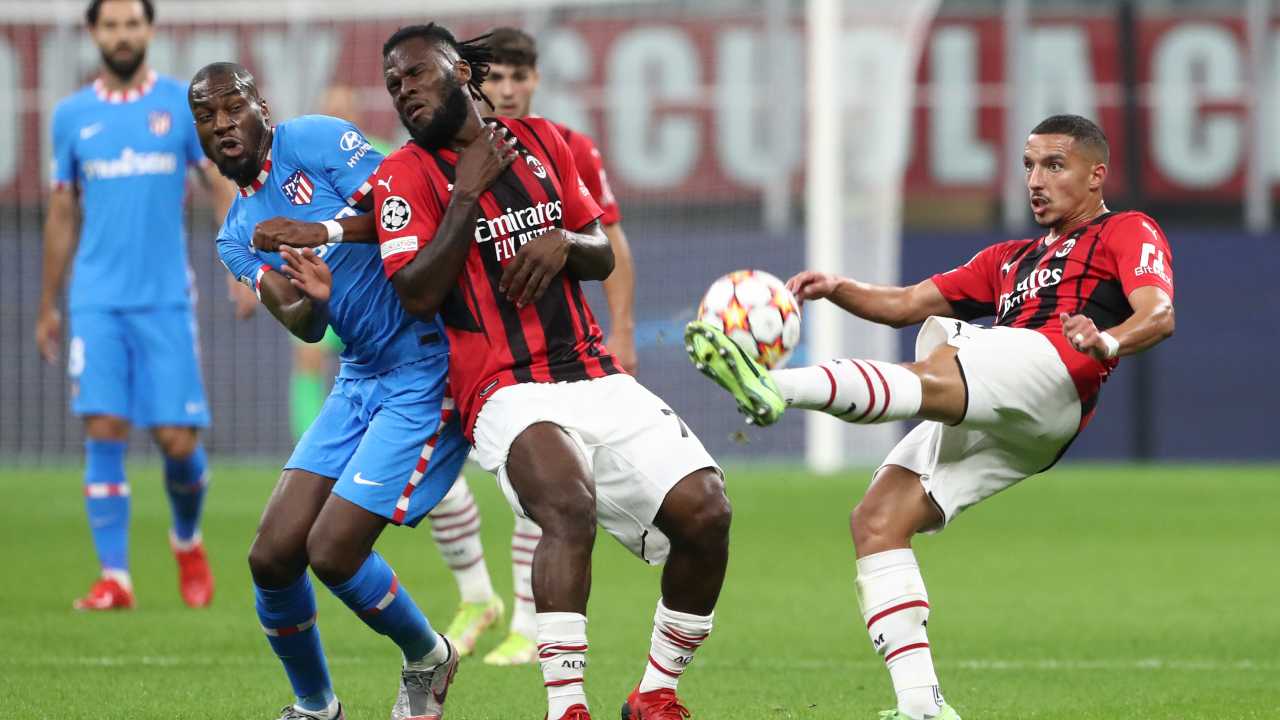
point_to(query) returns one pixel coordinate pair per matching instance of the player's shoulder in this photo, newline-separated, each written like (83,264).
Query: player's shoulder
(578,142)
(406,155)
(1010,247)
(307,128)
(76,102)
(1131,223)
(532,127)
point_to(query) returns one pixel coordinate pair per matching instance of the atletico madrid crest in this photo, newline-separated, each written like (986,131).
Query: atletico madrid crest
(298,188)
(160,122)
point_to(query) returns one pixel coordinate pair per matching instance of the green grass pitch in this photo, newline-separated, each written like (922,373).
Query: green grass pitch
(1093,592)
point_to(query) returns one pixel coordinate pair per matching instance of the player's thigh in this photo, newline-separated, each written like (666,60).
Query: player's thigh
(168,389)
(547,477)
(1019,389)
(645,456)
(99,366)
(411,451)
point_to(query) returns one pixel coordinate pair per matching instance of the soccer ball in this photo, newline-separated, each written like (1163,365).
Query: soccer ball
(757,312)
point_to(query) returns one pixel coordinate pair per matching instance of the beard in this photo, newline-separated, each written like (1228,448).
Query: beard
(124,68)
(445,122)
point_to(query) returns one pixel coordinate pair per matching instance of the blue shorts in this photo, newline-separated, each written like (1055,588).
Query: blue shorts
(141,365)
(392,441)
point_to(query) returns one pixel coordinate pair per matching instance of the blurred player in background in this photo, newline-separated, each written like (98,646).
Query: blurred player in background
(1000,404)
(489,224)
(384,447)
(121,149)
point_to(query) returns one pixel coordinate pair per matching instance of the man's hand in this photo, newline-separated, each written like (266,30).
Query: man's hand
(811,285)
(483,160)
(242,297)
(308,273)
(271,235)
(623,347)
(1084,336)
(49,333)
(535,265)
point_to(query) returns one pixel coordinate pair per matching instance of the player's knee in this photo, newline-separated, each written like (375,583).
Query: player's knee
(333,561)
(177,443)
(275,565)
(569,513)
(701,513)
(872,524)
(106,427)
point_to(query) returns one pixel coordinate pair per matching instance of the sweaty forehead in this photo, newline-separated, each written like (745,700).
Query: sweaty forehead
(220,85)
(418,49)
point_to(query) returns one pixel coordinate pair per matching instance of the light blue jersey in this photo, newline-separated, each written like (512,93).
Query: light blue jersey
(318,169)
(128,154)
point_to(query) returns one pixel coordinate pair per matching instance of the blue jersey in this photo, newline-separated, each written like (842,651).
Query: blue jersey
(319,168)
(128,154)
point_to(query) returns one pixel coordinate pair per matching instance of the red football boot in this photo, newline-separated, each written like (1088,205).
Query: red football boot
(575,712)
(106,594)
(195,581)
(661,704)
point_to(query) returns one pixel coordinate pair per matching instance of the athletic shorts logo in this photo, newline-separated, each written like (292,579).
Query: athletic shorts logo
(159,122)
(363,480)
(536,166)
(395,213)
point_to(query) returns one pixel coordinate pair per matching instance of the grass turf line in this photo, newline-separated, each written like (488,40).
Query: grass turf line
(1091,592)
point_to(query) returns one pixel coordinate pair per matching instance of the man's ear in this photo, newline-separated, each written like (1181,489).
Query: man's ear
(462,71)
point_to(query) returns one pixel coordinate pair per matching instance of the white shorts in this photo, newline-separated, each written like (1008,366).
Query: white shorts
(1023,410)
(636,447)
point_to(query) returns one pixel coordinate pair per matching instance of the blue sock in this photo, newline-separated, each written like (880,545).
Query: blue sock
(185,480)
(377,597)
(106,498)
(288,616)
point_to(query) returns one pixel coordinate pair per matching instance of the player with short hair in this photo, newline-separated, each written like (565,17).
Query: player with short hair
(489,223)
(999,404)
(121,149)
(386,446)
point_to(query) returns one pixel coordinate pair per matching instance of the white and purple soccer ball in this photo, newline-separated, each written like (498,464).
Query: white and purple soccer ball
(757,311)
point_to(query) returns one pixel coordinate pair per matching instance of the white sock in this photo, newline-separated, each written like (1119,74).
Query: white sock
(438,654)
(856,391)
(120,576)
(455,525)
(524,540)
(676,636)
(895,607)
(184,545)
(562,651)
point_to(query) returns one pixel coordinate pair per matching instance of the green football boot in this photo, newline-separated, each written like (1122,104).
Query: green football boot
(720,359)
(948,713)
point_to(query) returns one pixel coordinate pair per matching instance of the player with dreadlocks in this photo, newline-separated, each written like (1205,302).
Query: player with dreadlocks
(487,222)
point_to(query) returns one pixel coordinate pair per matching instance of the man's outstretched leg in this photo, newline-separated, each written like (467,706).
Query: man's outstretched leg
(552,480)
(284,598)
(891,592)
(340,549)
(695,517)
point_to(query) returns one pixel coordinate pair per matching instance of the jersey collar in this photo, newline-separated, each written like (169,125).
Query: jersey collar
(117,97)
(261,180)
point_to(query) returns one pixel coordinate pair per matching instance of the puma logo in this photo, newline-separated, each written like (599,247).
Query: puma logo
(386,183)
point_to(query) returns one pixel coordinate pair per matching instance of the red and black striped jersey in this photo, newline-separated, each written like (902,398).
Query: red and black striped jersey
(591,170)
(493,343)
(1090,271)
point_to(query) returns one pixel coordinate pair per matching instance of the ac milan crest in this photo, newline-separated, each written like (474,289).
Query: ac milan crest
(298,188)
(159,122)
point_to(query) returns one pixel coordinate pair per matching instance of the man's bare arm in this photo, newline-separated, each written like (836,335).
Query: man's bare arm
(61,224)
(1151,323)
(620,294)
(884,304)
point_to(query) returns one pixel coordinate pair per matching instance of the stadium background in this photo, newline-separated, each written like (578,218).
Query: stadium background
(700,112)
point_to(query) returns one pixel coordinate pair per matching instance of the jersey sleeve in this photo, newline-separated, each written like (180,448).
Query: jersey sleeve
(408,213)
(580,207)
(591,169)
(235,253)
(1142,254)
(65,168)
(971,288)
